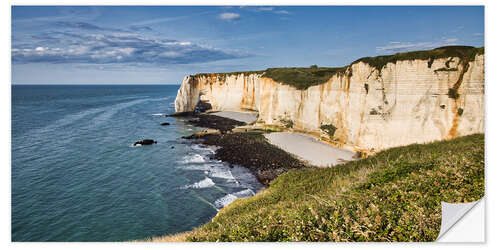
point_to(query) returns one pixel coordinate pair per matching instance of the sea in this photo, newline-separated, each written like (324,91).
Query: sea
(76,176)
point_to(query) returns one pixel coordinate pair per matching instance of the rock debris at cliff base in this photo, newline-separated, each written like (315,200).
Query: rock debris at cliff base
(214,122)
(252,151)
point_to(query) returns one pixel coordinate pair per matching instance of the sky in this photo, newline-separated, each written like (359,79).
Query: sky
(161,45)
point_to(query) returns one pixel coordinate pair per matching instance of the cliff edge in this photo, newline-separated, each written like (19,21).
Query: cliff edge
(372,104)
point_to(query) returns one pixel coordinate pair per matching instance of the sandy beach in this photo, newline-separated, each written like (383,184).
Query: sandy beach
(310,149)
(246,117)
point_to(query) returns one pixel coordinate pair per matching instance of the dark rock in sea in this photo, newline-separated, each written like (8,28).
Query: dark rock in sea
(172,147)
(145,142)
(165,124)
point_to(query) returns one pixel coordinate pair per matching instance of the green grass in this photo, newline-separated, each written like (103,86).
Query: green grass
(287,123)
(394,195)
(329,129)
(272,128)
(303,78)
(462,52)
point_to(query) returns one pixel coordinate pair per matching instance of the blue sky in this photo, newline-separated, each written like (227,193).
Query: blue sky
(135,45)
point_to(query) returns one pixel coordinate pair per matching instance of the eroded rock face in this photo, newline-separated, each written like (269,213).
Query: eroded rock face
(187,95)
(406,102)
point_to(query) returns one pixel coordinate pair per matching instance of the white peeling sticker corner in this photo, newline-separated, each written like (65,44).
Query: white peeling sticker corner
(460,225)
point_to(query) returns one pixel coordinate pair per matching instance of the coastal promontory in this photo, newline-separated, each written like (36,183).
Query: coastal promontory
(372,104)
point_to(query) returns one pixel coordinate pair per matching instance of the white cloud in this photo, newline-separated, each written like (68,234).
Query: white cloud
(283,12)
(409,46)
(229,16)
(450,40)
(168,19)
(265,8)
(170,54)
(119,48)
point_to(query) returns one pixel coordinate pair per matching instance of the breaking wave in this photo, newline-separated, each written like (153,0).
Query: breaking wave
(229,198)
(234,181)
(195,158)
(205,183)
(224,201)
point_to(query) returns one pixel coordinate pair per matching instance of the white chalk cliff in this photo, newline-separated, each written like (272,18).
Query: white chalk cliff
(405,102)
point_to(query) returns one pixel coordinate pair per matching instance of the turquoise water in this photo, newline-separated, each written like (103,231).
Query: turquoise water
(77,177)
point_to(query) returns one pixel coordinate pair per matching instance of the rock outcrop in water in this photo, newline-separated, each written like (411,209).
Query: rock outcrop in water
(369,106)
(145,142)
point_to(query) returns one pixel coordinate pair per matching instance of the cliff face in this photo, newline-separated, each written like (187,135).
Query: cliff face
(410,101)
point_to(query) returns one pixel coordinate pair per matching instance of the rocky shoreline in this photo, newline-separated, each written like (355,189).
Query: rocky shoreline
(221,124)
(247,149)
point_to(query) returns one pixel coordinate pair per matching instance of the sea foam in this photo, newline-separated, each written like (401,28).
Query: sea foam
(245,193)
(205,183)
(224,201)
(223,173)
(229,198)
(196,158)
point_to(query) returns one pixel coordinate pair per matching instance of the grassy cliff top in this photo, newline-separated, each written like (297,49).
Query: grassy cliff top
(394,195)
(224,74)
(462,52)
(302,78)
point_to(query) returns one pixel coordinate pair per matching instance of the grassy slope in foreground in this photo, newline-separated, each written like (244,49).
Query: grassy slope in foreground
(303,78)
(394,195)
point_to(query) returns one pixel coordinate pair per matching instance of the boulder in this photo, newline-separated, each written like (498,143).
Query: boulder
(145,142)
(165,124)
